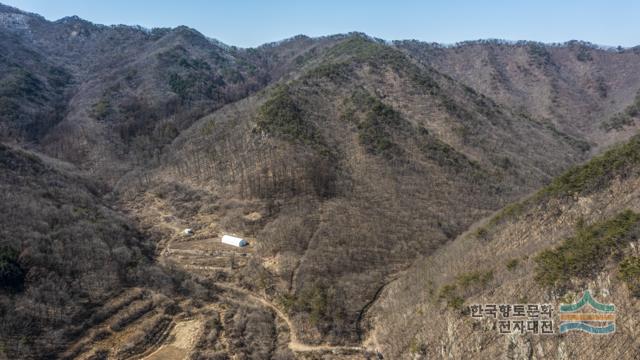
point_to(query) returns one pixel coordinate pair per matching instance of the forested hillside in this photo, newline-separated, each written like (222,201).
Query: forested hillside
(355,167)
(444,156)
(578,233)
(65,253)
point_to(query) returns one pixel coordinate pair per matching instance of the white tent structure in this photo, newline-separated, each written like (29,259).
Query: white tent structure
(235,241)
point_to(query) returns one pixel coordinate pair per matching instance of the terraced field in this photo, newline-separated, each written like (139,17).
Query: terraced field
(236,324)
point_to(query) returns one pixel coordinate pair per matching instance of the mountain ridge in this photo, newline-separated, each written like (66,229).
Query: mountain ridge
(486,264)
(345,160)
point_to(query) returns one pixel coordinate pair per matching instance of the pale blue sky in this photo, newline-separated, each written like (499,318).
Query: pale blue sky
(252,22)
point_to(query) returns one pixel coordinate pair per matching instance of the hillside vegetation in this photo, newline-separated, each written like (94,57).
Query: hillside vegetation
(64,252)
(619,162)
(306,150)
(574,85)
(356,168)
(558,245)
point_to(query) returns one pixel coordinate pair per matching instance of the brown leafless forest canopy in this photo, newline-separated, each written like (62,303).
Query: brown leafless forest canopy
(346,161)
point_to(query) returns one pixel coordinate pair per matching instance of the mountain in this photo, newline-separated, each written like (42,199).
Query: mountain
(65,252)
(579,233)
(106,109)
(575,85)
(355,167)
(32,88)
(301,153)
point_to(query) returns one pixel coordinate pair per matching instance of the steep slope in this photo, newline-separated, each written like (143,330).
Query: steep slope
(342,159)
(359,163)
(65,88)
(574,85)
(32,91)
(578,233)
(64,254)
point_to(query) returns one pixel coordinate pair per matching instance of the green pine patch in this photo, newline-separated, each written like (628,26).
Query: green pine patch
(585,254)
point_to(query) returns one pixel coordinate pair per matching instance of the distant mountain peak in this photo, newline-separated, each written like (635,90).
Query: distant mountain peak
(10,10)
(73,20)
(15,19)
(193,36)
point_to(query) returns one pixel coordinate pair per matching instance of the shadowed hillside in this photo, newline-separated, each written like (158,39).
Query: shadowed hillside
(356,168)
(64,253)
(112,97)
(302,154)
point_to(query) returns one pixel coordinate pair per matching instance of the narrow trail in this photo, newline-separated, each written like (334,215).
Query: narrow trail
(180,338)
(176,230)
(167,349)
(294,343)
(366,345)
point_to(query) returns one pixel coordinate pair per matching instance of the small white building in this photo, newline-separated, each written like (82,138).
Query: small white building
(235,241)
(187,232)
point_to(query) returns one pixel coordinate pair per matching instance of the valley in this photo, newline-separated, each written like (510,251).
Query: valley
(382,187)
(186,333)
